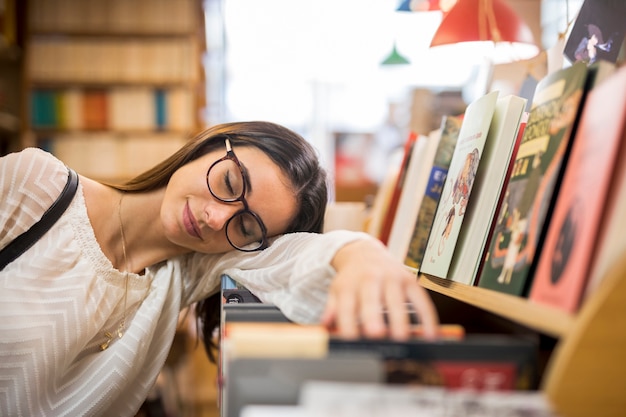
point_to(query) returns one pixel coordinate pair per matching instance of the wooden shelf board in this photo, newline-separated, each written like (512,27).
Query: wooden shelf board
(545,319)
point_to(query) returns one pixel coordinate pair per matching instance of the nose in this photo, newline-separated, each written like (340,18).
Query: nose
(217,214)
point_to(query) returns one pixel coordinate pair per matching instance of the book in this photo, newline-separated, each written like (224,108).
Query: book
(569,248)
(493,172)
(597,33)
(458,186)
(412,194)
(95,109)
(450,126)
(364,399)
(477,361)
(494,361)
(533,183)
(392,206)
(277,381)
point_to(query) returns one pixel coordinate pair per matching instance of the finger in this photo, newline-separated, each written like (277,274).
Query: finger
(424,309)
(371,309)
(346,317)
(397,312)
(330,312)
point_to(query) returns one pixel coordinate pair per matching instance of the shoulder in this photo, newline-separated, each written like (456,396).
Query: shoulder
(32,173)
(30,181)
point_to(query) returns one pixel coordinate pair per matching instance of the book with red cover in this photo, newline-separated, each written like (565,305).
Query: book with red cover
(397,189)
(568,251)
(95,110)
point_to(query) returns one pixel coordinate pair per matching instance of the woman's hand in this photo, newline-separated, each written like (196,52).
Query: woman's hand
(370,282)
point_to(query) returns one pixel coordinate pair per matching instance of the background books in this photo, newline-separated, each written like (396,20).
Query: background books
(120,108)
(534,181)
(93,60)
(112,74)
(109,155)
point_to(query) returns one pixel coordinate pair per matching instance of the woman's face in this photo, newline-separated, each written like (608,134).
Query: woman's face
(193,218)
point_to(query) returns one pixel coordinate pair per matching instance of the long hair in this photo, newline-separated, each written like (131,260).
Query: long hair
(295,157)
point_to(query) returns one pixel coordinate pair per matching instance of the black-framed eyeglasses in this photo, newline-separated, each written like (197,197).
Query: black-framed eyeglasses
(227,181)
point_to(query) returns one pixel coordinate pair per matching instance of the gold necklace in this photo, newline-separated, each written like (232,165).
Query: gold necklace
(120,329)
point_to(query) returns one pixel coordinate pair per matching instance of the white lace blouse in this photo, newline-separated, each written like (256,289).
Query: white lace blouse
(60,297)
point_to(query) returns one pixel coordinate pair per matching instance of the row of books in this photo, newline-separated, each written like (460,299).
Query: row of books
(362,399)
(265,359)
(517,201)
(113,16)
(119,108)
(113,60)
(110,156)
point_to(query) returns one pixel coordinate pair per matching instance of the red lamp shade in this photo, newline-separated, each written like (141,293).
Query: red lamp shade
(492,21)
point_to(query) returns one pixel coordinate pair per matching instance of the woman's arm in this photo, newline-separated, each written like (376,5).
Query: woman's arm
(343,279)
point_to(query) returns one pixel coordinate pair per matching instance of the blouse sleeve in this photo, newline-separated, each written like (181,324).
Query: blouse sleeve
(294,273)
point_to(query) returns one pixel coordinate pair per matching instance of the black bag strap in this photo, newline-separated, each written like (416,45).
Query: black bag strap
(27,239)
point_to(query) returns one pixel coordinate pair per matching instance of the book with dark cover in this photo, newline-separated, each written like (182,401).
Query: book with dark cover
(481,362)
(534,181)
(598,32)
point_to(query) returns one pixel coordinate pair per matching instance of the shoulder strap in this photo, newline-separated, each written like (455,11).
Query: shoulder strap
(27,239)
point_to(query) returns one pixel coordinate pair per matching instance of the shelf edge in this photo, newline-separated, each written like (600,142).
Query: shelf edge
(542,318)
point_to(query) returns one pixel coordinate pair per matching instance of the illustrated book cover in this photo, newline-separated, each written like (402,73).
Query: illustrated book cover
(569,247)
(457,188)
(598,32)
(534,181)
(493,172)
(450,127)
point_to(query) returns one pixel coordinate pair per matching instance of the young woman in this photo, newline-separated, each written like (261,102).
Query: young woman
(87,314)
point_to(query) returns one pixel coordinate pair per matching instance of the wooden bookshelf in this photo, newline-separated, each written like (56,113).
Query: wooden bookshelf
(106,82)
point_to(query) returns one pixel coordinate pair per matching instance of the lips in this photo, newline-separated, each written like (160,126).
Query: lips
(191,226)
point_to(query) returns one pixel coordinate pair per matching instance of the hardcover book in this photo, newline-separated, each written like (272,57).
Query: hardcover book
(457,188)
(533,184)
(412,194)
(392,206)
(493,172)
(450,126)
(569,247)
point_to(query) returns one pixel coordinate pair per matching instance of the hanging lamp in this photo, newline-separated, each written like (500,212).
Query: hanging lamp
(488,28)
(394,58)
(425,5)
